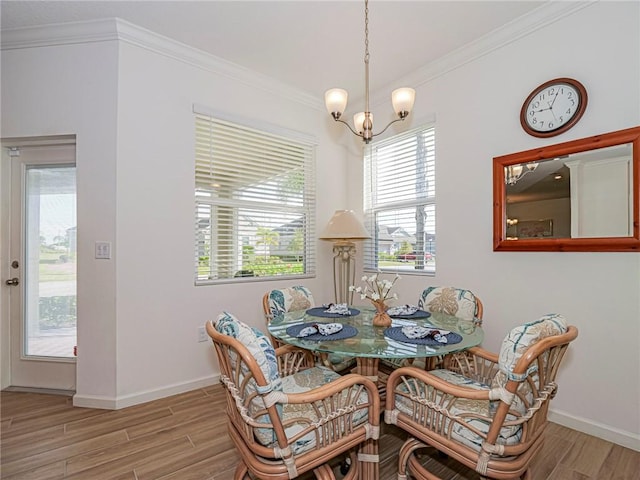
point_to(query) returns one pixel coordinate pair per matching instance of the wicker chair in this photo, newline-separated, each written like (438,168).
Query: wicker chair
(451,301)
(279,301)
(286,417)
(486,411)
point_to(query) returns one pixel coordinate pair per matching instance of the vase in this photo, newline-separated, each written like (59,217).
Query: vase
(381,317)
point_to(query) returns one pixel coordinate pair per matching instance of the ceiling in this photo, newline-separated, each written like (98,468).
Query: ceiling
(311,45)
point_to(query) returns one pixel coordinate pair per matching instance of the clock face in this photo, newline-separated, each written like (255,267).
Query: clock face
(553,107)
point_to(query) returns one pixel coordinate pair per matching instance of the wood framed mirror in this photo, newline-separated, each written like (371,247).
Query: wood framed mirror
(577,196)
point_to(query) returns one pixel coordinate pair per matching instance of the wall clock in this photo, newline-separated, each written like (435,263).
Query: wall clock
(553,107)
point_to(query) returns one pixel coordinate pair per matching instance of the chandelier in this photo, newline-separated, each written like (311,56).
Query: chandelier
(513,173)
(336,98)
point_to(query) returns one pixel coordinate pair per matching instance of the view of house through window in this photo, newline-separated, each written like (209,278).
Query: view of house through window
(255,203)
(399,203)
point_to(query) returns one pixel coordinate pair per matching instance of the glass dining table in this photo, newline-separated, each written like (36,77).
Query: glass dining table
(369,344)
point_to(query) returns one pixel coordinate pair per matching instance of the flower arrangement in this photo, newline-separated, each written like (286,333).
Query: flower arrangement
(377,290)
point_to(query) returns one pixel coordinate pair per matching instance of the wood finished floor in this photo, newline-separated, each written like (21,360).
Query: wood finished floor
(184,438)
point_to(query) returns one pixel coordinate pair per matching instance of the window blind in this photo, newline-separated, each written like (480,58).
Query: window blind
(255,203)
(400,204)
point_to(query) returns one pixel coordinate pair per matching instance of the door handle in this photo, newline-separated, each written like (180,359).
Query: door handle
(13,281)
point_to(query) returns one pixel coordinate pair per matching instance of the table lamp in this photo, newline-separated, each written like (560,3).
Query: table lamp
(342,229)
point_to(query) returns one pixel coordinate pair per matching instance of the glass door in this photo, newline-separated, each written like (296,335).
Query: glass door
(43,267)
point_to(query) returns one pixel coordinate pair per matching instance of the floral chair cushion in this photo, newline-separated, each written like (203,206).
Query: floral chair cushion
(256,342)
(516,343)
(287,299)
(262,351)
(476,413)
(449,300)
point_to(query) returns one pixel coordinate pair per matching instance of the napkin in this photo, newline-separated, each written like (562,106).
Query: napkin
(423,332)
(339,308)
(321,328)
(402,310)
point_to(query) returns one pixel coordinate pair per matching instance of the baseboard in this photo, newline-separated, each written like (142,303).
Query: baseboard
(110,403)
(620,437)
(47,391)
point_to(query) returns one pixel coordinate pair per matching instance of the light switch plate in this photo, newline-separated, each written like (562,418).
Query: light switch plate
(103,250)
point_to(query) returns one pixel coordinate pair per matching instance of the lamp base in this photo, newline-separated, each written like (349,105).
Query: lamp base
(344,270)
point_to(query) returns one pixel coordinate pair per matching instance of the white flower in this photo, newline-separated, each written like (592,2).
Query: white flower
(376,289)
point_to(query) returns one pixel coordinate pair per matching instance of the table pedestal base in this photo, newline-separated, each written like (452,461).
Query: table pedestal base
(370,467)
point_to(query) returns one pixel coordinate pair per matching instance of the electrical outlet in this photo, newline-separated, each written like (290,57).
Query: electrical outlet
(202,335)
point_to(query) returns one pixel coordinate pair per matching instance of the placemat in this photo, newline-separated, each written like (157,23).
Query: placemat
(395,333)
(417,314)
(347,332)
(320,312)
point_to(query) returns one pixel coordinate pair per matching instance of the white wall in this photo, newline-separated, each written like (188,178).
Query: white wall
(159,308)
(73,90)
(131,109)
(477,108)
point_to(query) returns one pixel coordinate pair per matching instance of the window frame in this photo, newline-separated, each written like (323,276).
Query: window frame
(263,153)
(397,205)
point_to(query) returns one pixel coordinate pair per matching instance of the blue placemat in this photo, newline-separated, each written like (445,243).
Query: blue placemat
(417,314)
(395,333)
(320,312)
(347,332)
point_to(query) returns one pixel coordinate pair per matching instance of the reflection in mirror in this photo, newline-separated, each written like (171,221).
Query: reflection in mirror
(584,194)
(575,196)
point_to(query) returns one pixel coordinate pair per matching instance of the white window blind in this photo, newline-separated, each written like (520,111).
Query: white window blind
(255,203)
(400,204)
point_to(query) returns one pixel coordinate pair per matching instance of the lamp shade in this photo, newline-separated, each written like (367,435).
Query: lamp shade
(344,225)
(335,100)
(402,100)
(358,121)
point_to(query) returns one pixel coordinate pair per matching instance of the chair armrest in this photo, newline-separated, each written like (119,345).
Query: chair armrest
(342,384)
(475,363)
(481,352)
(348,406)
(293,359)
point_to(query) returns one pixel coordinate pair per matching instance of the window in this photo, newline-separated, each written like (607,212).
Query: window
(399,203)
(255,203)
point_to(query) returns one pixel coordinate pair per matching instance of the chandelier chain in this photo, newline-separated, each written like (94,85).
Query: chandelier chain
(366,31)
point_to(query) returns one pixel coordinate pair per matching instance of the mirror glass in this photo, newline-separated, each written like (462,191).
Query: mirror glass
(575,196)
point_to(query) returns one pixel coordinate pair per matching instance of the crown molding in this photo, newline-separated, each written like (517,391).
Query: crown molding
(117,29)
(121,30)
(59,34)
(527,24)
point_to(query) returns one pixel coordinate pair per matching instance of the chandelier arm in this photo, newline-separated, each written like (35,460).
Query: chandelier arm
(349,127)
(385,128)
